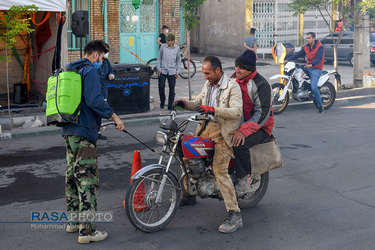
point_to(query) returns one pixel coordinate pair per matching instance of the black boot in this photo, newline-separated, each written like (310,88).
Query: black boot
(232,223)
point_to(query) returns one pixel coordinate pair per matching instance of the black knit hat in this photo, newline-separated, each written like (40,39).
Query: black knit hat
(247,60)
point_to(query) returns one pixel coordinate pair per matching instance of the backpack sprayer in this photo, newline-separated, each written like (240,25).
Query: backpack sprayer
(64,100)
(64,97)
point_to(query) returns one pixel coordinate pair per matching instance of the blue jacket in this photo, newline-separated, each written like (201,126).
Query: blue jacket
(94,107)
(104,71)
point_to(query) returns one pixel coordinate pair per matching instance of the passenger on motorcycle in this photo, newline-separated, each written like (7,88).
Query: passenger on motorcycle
(314,52)
(258,116)
(220,98)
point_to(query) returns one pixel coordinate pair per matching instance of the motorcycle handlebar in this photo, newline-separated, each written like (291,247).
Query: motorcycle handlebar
(200,118)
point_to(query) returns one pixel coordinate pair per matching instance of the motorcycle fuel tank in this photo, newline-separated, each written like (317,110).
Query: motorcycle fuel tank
(197,147)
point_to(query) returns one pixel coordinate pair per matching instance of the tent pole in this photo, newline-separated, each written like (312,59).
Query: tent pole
(9,113)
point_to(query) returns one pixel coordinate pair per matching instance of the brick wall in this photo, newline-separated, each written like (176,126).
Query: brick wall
(97,28)
(166,10)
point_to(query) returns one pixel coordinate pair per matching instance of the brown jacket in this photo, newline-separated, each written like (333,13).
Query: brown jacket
(228,112)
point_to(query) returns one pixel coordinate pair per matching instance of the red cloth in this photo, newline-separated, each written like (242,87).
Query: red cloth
(42,35)
(248,128)
(248,105)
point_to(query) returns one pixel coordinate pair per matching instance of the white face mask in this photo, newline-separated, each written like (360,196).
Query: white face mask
(166,31)
(106,55)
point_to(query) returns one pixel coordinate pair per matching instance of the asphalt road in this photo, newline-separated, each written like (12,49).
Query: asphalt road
(323,198)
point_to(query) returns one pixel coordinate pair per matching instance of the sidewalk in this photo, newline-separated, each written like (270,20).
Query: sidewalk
(265,67)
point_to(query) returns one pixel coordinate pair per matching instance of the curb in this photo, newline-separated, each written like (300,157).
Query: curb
(153,116)
(47,130)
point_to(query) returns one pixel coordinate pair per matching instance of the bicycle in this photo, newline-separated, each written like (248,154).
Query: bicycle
(183,68)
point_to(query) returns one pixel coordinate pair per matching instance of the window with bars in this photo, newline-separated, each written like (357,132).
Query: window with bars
(74,42)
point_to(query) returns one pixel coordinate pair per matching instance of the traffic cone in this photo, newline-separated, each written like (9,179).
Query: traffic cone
(138,201)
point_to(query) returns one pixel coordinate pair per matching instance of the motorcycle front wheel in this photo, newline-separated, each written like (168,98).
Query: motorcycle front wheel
(251,199)
(279,106)
(328,95)
(142,209)
(154,69)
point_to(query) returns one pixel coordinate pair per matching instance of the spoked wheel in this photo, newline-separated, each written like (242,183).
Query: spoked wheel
(154,69)
(184,68)
(279,106)
(328,95)
(143,209)
(251,199)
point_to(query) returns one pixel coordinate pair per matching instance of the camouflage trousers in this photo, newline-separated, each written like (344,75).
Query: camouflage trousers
(82,179)
(221,159)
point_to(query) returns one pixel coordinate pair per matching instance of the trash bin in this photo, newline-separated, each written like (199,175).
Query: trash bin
(129,92)
(289,48)
(20,93)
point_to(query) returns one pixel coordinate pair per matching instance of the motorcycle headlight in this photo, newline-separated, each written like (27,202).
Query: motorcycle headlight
(161,138)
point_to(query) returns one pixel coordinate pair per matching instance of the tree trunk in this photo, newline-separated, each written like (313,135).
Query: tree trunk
(335,62)
(361,52)
(8,94)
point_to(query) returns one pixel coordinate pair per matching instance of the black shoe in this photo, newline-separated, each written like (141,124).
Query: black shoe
(161,106)
(321,109)
(232,223)
(188,200)
(102,137)
(171,109)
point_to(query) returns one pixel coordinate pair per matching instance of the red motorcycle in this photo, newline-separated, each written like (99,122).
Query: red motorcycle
(154,194)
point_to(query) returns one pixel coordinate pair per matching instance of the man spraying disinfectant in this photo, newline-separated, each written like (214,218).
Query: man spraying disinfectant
(82,182)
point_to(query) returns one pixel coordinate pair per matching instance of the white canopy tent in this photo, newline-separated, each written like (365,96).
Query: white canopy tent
(43,5)
(40,74)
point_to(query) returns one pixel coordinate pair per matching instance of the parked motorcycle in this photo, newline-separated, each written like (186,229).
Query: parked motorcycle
(296,79)
(154,194)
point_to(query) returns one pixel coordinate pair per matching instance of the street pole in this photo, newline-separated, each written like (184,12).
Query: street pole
(361,46)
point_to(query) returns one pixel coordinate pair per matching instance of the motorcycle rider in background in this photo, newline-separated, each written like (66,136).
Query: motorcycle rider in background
(258,116)
(314,52)
(221,99)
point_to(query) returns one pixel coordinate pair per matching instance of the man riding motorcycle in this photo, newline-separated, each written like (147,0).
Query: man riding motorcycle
(220,98)
(314,52)
(258,116)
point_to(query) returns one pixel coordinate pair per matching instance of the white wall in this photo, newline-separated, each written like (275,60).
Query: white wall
(222,28)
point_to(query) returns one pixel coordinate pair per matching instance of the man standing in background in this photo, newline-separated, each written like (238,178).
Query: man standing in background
(163,35)
(250,42)
(105,73)
(169,61)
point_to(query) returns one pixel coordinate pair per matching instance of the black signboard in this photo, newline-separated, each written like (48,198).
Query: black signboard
(129,92)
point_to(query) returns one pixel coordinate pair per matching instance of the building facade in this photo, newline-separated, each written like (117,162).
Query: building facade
(131,33)
(225,23)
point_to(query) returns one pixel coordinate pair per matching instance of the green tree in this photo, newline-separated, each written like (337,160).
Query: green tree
(13,23)
(190,8)
(347,13)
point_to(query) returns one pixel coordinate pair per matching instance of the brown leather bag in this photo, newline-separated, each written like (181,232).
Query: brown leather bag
(265,156)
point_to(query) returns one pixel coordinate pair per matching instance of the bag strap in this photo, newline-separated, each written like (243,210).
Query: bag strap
(74,115)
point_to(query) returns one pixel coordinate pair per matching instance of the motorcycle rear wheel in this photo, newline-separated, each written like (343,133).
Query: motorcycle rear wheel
(328,95)
(279,106)
(253,198)
(140,201)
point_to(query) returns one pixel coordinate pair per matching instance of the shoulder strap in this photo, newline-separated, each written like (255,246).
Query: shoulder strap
(81,103)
